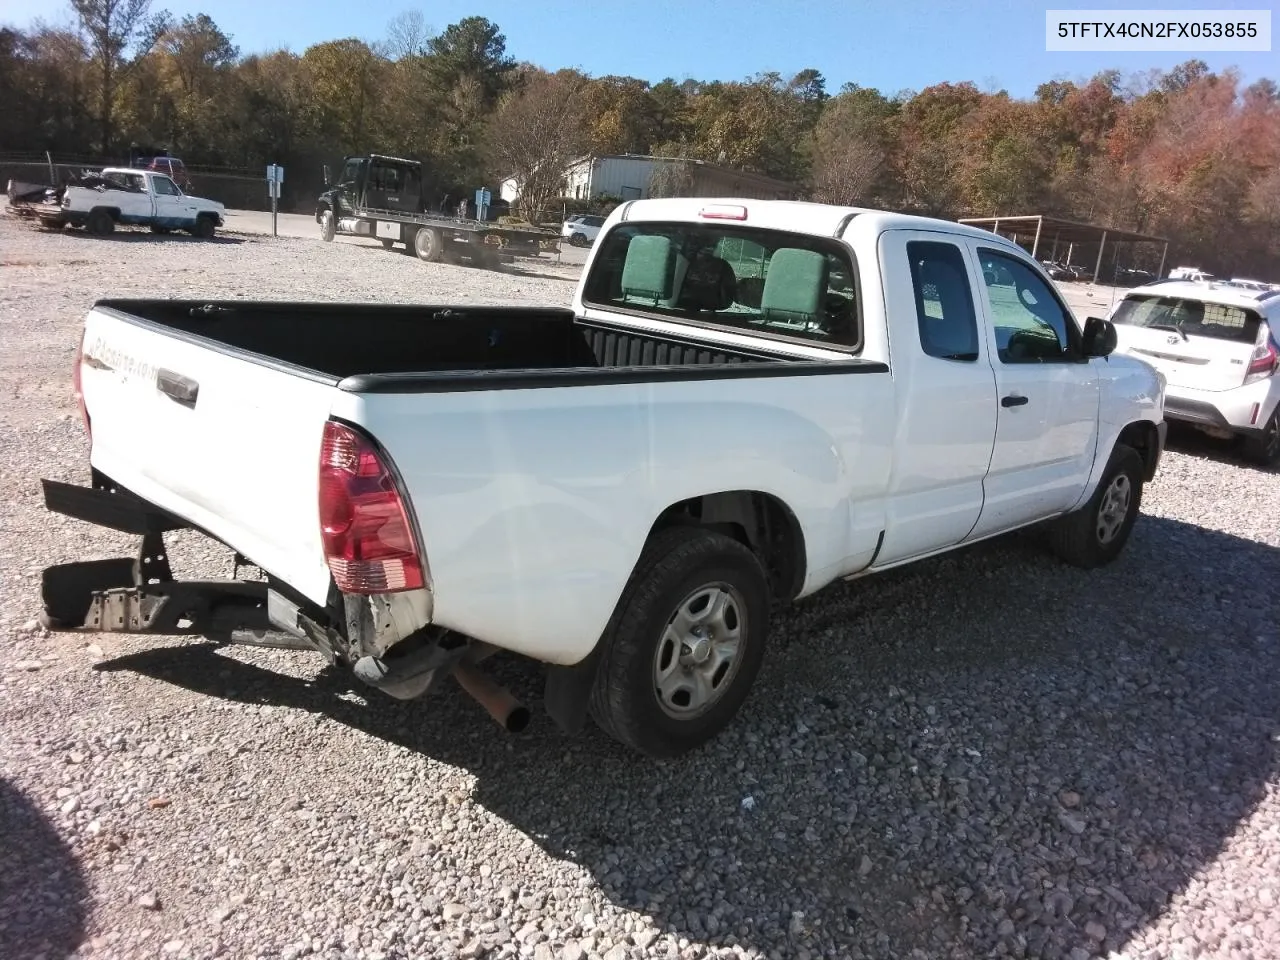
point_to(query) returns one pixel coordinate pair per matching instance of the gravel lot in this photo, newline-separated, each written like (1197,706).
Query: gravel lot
(985,754)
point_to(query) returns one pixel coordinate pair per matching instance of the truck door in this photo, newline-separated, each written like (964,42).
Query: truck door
(1047,418)
(350,185)
(946,393)
(173,208)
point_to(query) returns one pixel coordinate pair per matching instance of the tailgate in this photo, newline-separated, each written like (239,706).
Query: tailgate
(230,445)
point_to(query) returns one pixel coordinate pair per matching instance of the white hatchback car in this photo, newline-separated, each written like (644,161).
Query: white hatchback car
(581,229)
(1218,347)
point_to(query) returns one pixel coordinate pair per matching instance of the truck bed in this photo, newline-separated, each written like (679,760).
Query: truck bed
(376,348)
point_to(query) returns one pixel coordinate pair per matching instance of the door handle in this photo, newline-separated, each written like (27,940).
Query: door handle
(1013,400)
(180,388)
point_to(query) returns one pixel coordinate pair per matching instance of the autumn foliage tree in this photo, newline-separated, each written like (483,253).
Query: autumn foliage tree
(1186,153)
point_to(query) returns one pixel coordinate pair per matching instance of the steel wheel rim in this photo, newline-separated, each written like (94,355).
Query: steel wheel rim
(699,651)
(1114,508)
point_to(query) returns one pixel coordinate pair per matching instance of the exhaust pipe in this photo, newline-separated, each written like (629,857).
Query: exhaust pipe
(510,713)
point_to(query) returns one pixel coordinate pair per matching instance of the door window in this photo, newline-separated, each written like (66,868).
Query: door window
(166,187)
(1032,325)
(945,313)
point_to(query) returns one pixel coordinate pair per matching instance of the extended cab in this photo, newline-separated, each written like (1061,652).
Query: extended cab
(120,195)
(746,402)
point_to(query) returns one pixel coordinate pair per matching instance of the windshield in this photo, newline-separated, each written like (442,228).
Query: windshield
(765,281)
(1190,318)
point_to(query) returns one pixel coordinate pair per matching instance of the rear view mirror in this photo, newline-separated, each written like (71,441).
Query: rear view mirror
(1099,337)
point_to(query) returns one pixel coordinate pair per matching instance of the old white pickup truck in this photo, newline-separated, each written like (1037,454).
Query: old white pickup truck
(122,195)
(746,402)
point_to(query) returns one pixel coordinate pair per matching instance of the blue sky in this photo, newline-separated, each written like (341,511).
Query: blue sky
(888,44)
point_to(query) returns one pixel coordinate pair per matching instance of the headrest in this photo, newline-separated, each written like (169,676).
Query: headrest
(794,285)
(709,284)
(648,273)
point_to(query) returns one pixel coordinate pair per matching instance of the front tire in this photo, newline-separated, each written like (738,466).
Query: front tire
(1095,533)
(328,226)
(685,643)
(428,244)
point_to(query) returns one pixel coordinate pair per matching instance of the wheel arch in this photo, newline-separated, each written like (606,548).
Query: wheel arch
(760,521)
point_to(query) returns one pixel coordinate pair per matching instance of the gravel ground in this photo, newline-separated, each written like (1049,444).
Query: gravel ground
(984,754)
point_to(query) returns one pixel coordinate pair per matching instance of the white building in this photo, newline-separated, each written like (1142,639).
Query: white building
(629,177)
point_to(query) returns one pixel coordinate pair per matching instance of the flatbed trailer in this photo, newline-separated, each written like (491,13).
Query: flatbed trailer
(381,198)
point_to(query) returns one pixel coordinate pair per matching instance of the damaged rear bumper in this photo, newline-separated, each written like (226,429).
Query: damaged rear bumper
(382,641)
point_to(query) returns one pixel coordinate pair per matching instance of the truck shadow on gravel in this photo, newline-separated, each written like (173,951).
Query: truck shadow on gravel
(989,753)
(124,235)
(43,893)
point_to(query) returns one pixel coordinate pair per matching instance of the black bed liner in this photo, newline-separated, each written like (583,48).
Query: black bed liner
(380,348)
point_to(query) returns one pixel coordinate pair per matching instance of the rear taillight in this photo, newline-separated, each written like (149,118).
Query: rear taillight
(369,541)
(77,388)
(1265,358)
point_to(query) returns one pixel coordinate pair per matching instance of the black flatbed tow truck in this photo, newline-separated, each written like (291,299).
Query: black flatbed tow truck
(381,197)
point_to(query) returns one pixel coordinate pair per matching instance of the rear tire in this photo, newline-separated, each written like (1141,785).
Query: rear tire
(685,643)
(1264,449)
(1094,533)
(100,223)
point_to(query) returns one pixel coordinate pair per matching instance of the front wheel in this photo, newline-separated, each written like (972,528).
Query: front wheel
(1093,534)
(205,228)
(328,227)
(685,644)
(428,244)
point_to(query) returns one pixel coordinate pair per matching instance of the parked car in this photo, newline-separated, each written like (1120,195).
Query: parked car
(1056,271)
(747,401)
(581,230)
(173,168)
(1217,346)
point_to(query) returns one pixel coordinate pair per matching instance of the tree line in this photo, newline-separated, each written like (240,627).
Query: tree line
(1189,154)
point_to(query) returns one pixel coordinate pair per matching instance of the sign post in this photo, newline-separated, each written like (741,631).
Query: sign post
(275,177)
(483,197)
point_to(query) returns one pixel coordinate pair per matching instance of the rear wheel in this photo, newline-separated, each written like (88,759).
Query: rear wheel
(1094,534)
(428,244)
(100,223)
(1264,448)
(685,644)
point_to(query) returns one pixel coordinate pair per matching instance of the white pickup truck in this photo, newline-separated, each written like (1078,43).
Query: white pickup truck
(746,402)
(122,195)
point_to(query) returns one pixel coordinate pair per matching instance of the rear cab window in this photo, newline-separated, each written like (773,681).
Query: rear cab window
(770,282)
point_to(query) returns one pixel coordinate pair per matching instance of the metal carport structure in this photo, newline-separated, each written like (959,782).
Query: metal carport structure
(1038,226)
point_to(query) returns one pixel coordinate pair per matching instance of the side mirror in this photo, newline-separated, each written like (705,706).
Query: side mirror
(327,181)
(1099,337)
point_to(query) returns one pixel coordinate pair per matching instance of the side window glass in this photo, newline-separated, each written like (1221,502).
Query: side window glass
(166,187)
(945,313)
(1030,323)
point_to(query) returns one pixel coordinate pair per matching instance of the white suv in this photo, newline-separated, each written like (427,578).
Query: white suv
(582,229)
(1218,347)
